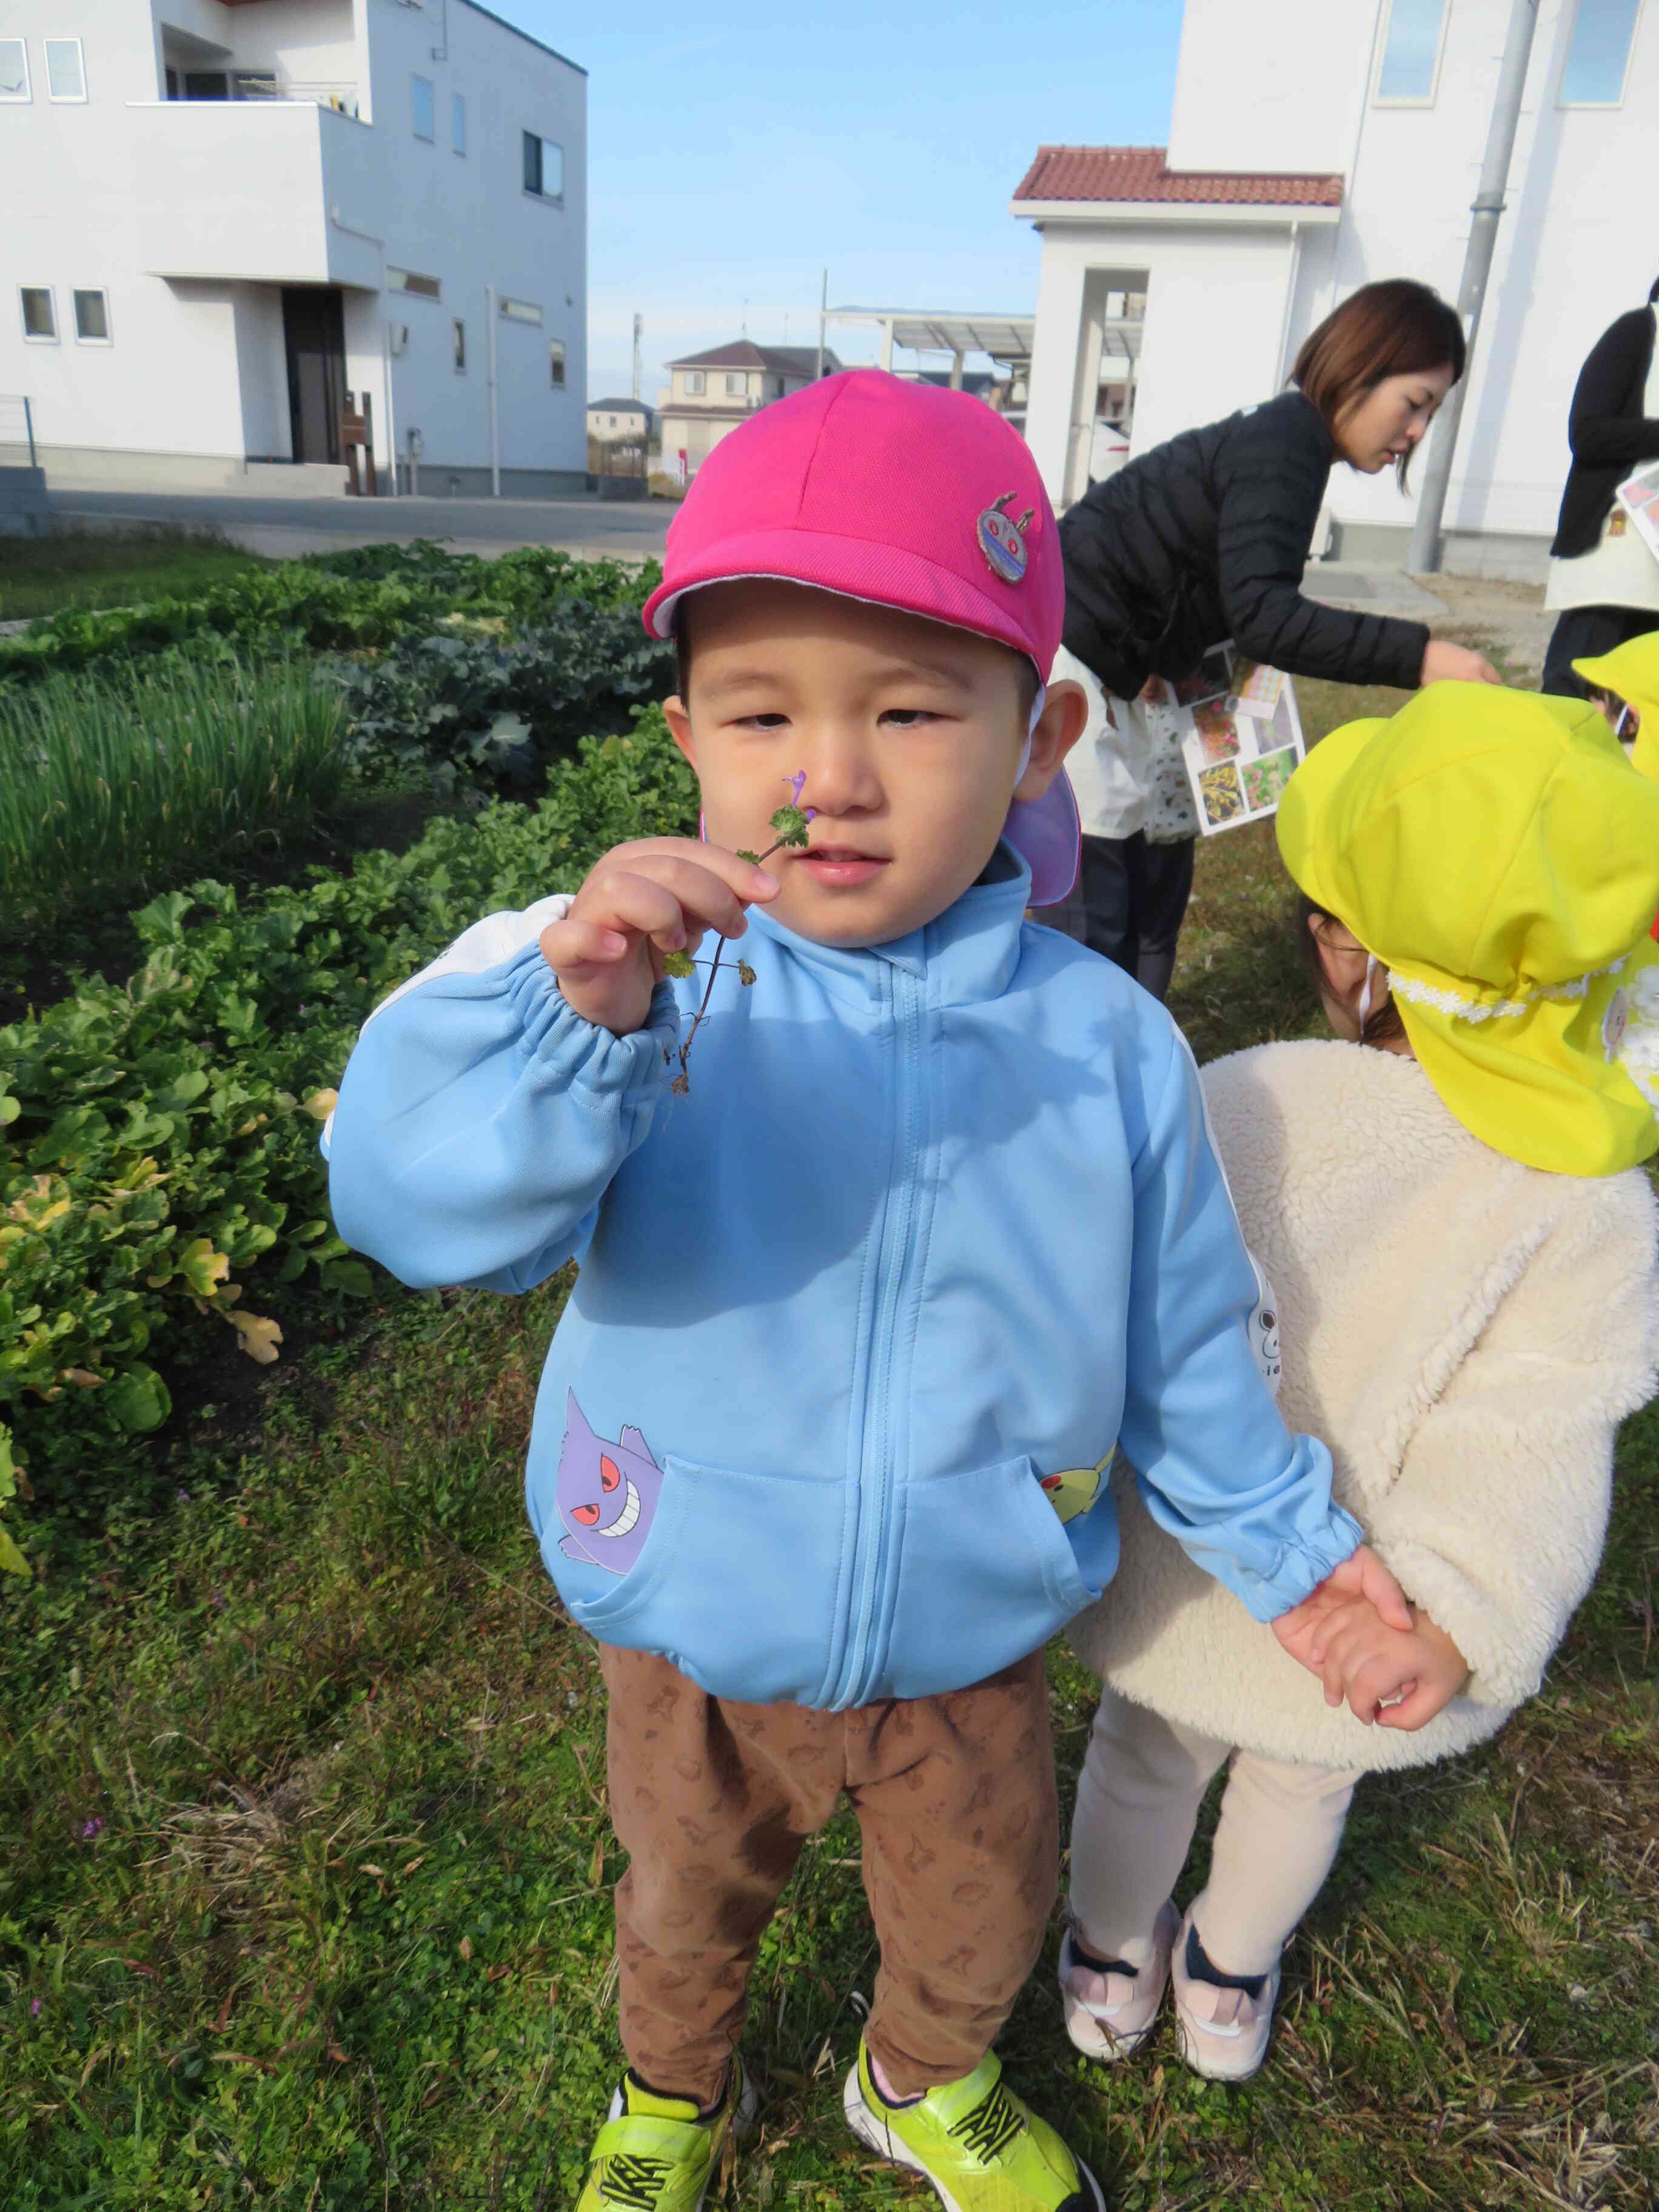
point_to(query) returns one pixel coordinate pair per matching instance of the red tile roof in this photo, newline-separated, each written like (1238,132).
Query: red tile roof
(1141,174)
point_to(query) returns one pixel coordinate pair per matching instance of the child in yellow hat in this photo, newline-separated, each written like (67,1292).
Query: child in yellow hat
(1450,1203)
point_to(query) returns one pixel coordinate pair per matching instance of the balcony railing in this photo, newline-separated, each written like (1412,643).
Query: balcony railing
(263,87)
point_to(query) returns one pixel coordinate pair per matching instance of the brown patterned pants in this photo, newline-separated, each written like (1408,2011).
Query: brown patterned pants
(713,1800)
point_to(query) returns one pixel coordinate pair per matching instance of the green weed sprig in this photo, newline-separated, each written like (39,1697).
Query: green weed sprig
(790,823)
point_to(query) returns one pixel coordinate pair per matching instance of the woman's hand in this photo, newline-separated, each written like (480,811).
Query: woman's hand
(1446,663)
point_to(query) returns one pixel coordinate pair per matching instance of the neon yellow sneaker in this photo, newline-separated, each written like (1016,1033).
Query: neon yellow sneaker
(660,2154)
(975,2141)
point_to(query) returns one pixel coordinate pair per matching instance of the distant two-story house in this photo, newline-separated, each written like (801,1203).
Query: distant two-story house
(710,393)
(1285,186)
(222,219)
(619,422)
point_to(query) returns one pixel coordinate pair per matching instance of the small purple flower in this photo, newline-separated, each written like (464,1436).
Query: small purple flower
(796,782)
(35,2008)
(92,1828)
(184,1494)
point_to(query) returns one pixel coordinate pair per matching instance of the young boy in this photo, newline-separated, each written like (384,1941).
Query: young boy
(866,1300)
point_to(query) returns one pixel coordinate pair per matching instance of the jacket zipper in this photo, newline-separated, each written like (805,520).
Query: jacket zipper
(872,1542)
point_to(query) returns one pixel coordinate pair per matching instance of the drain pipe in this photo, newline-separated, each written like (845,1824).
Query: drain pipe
(490,391)
(379,244)
(1424,558)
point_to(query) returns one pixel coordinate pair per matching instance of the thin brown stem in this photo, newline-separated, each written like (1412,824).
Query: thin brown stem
(714,971)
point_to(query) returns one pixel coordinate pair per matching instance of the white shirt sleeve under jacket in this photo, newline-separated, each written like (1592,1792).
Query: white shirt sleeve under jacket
(1466,1334)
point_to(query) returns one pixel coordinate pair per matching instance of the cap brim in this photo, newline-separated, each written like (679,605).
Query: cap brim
(853,569)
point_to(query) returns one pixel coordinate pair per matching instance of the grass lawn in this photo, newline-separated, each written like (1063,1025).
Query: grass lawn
(306,1902)
(110,568)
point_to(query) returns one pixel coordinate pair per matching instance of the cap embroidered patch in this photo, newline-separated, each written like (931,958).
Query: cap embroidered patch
(1002,540)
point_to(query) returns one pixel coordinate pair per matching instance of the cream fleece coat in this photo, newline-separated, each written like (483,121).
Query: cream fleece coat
(1465,1333)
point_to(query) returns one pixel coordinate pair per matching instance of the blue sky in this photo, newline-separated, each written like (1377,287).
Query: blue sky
(734,151)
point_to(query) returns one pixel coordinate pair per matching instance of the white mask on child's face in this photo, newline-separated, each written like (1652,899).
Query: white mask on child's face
(1365,992)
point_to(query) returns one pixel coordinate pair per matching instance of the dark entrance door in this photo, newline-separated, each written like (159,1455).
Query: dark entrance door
(313,326)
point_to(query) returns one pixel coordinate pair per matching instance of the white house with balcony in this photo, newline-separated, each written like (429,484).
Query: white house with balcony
(1316,145)
(231,224)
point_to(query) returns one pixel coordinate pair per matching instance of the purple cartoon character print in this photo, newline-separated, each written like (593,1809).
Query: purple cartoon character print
(607,1493)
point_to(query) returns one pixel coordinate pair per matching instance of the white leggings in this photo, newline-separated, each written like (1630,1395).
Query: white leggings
(1138,1797)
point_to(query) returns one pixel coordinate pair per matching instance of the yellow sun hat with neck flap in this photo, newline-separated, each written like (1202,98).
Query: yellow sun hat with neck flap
(1496,852)
(1631,672)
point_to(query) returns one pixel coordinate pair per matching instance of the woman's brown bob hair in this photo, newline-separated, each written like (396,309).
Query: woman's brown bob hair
(1383,1026)
(1396,328)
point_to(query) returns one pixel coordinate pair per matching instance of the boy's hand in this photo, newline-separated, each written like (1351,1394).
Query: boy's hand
(641,902)
(1362,1577)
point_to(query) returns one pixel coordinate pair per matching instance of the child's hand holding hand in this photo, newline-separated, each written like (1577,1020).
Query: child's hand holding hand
(641,902)
(1395,1678)
(1361,1579)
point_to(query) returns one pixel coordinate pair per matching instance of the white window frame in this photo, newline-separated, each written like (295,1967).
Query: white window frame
(1604,106)
(55,335)
(428,137)
(696,383)
(457,346)
(558,365)
(413,283)
(458,124)
(520,311)
(66,99)
(1379,98)
(19,98)
(737,384)
(96,292)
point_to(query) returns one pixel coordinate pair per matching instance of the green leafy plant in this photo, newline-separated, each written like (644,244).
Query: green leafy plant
(159,1170)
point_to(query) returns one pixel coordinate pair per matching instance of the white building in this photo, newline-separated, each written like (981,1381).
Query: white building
(1318,144)
(709,393)
(222,219)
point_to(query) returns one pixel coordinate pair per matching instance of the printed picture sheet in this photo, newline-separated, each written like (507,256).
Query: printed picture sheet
(1239,732)
(1639,497)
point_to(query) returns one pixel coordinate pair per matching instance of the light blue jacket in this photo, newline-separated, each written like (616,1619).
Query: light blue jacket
(937,1224)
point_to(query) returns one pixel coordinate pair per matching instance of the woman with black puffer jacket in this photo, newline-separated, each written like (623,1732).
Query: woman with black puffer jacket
(1203,539)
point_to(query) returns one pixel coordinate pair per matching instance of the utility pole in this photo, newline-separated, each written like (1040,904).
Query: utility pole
(639,326)
(823,311)
(1424,558)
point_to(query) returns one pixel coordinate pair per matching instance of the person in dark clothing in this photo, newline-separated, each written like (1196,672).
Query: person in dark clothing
(1604,581)
(1205,539)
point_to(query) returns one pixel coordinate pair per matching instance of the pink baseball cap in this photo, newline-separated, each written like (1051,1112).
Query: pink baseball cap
(905,496)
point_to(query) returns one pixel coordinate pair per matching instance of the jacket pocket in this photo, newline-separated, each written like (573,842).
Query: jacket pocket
(739,1583)
(986,1574)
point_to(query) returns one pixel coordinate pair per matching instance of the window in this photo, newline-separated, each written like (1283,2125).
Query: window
(543,167)
(613,422)
(1407,73)
(1603,32)
(206,84)
(406,280)
(13,70)
(66,75)
(521,311)
(555,364)
(39,313)
(458,122)
(421,108)
(92,318)
(461,348)
(736,386)
(695,383)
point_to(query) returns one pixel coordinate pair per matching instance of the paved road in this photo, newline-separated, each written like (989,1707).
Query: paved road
(286,526)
